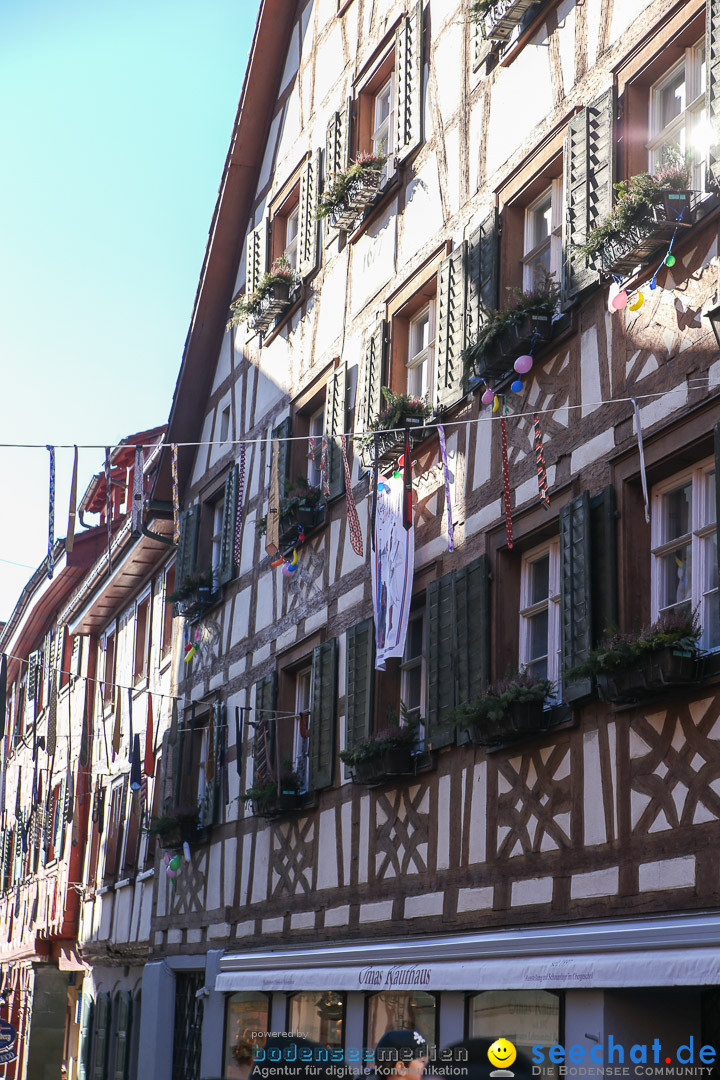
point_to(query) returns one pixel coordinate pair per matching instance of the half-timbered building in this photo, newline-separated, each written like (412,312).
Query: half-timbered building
(555,883)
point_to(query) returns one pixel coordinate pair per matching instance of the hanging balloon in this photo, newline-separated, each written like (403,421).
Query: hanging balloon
(496,403)
(294,560)
(637,303)
(286,570)
(620,301)
(669,260)
(186,851)
(614,290)
(172,874)
(653,283)
(383,487)
(517,386)
(175,862)
(401,460)
(523,364)
(487,397)
(166,859)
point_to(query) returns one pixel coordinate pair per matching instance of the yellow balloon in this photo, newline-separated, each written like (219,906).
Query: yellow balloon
(496,403)
(638,303)
(293,561)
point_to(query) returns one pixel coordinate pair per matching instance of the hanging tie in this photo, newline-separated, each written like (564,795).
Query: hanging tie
(324,467)
(272,532)
(506,480)
(175,494)
(407,483)
(446,477)
(136,513)
(238,741)
(117,727)
(135,770)
(641,452)
(149,755)
(239,512)
(353,519)
(3,694)
(51,514)
(540,464)
(52,718)
(108,508)
(373,511)
(130,725)
(85,732)
(72,509)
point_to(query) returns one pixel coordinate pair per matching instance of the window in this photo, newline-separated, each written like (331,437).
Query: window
(303,686)
(318,1015)
(284,227)
(167,627)
(291,237)
(412,680)
(151,837)
(421,348)
(115,829)
(245,1012)
(316,424)
(392,1010)
(678,123)
(225,424)
(218,510)
(525,1017)
(142,639)
(66,657)
(684,550)
(542,251)
(384,122)
(540,612)
(194,765)
(108,669)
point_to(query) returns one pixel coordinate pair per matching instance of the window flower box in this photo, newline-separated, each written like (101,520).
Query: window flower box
(275,303)
(509,710)
(628,667)
(196,594)
(273,296)
(350,193)
(174,830)
(387,754)
(303,517)
(499,356)
(498,20)
(401,411)
(646,241)
(271,799)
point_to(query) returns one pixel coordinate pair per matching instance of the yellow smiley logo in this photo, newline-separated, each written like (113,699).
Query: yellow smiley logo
(502,1053)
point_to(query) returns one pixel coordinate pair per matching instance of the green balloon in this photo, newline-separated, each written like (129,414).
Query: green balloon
(670,260)
(175,862)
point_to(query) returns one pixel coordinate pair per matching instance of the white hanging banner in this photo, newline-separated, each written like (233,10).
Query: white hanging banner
(393,566)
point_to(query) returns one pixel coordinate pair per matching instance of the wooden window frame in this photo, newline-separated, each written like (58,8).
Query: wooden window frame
(696,537)
(278,223)
(167,615)
(115,829)
(305,406)
(194,757)
(414,295)
(551,603)
(517,197)
(142,618)
(108,685)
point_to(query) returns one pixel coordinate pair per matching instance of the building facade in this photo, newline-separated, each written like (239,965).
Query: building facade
(554,883)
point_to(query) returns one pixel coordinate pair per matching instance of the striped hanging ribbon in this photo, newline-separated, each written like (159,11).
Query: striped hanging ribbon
(324,467)
(540,464)
(353,519)
(446,476)
(175,494)
(239,512)
(51,514)
(108,508)
(506,482)
(641,453)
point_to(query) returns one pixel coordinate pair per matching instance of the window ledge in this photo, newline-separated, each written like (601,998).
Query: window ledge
(122,883)
(145,875)
(103,889)
(558,717)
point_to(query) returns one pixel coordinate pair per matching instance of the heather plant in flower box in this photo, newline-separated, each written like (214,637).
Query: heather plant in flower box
(508,709)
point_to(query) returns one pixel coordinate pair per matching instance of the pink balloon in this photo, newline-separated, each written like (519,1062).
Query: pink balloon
(488,396)
(523,364)
(287,572)
(620,301)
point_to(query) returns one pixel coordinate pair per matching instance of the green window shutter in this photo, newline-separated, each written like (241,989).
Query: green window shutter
(308,224)
(323,700)
(603,528)
(589,160)
(408,83)
(472,622)
(359,681)
(256,256)
(337,141)
(187,544)
(100,1036)
(123,1003)
(440,624)
(712,87)
(85,1043)
(209,807)
(575,588)
(226,570)
(47,650)
(369,399)
(335,410)
(282,433)
(450,336)
(482,283)
(264,740)
(34,661)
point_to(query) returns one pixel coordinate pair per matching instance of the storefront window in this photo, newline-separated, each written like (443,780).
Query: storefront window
(245,1012)
(394,1010)
(318,1016)
(525,1017)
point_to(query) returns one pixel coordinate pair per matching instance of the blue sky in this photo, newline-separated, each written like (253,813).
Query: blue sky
(114,125)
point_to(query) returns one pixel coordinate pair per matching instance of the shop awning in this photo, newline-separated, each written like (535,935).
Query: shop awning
(664,951)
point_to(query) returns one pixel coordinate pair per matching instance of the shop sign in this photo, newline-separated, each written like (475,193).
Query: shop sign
(397,977)
(8,1035)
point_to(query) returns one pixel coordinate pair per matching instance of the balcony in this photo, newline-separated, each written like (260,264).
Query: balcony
(498,20)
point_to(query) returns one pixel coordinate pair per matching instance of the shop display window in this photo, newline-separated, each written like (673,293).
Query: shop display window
(393,1010)
(319,1016)
(245,1012)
